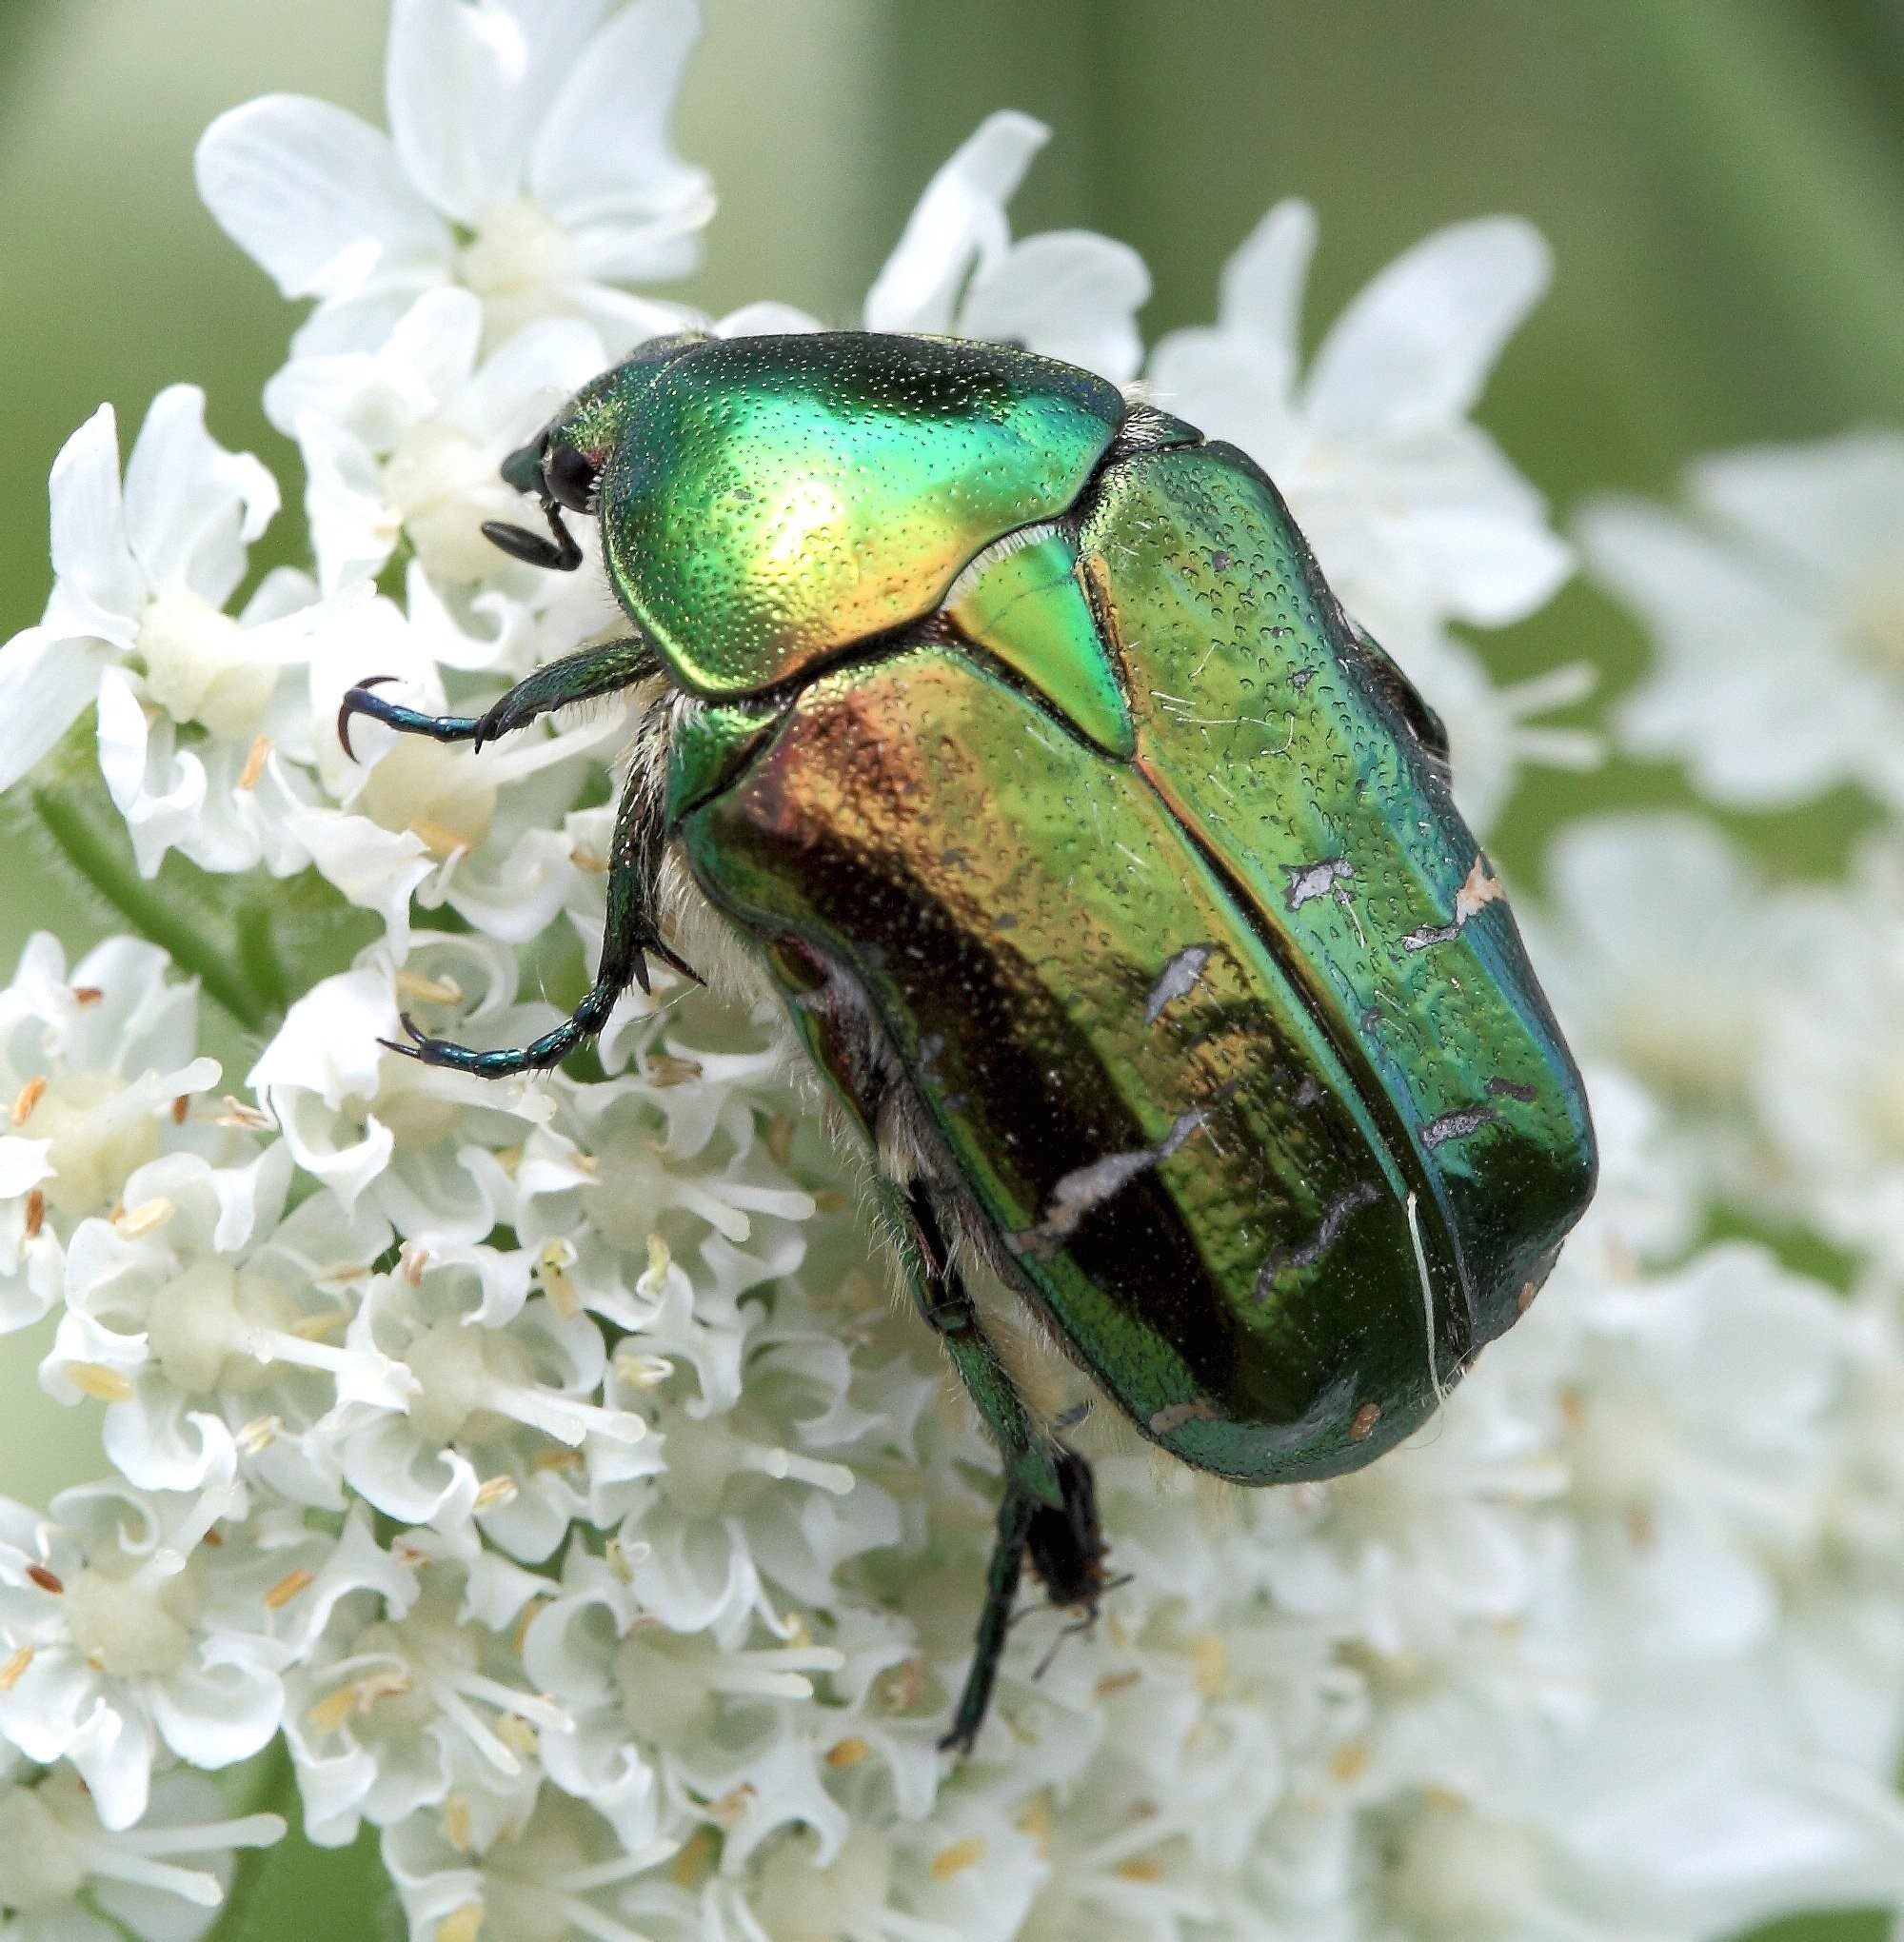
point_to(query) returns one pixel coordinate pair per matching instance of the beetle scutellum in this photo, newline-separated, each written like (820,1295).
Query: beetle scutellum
(1108,872)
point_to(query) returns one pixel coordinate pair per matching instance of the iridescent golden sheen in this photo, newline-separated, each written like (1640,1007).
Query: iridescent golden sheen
(1026,604)
(1260,725)
(1190,1178)
(771,502)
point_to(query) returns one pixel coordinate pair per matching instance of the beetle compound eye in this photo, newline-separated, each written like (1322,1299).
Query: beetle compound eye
(571,475)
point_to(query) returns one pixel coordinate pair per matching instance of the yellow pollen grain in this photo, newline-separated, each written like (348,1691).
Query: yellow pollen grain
(438,838)
(695,1862)
(517,1735)
(36,1212)
(726,1811)
(86,994)
(590,860)
(493,1492)
(617,1556)
(411,1263)
(777,1136)
(1350,1763)
(643,1372)
(422,990)
(660,1259)
(665,1069)
(321,1322)
(558,1257)
(333,1708)
(1140,1868)
(523,1619)
(287,1588)
(1479,891)
(559,1457)
(246,1117)
(1037,1825)
(1113,1683)
(848,1752)
(146,1217)
(1211,1661)
(956,1859)
(254,762)
(901,1687)
(99,1382)
(15,1669)
(831,1200)
(1362,1426)
(181,1109)
(27,1097)
(461,1925)
(458,1825)
(259,1434)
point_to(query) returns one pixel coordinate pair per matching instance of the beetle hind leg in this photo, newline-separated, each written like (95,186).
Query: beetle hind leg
(628,940)
(1047,1512)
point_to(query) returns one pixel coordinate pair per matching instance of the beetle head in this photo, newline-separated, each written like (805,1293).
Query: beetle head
(561,465)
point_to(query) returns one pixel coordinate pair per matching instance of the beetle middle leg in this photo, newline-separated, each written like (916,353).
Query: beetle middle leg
(582,677)
(628,938)
(1049,1509)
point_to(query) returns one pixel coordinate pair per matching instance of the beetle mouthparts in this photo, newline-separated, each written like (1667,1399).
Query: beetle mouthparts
(522,467)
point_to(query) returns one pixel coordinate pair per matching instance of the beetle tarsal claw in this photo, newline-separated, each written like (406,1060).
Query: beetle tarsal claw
(359,700)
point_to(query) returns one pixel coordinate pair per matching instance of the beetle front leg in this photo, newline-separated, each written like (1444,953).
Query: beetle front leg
(582,677)
(628,938)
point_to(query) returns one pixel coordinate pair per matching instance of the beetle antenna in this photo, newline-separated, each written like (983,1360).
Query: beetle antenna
(559,554)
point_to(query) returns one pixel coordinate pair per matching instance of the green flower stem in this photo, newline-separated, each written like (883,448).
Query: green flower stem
(96,849)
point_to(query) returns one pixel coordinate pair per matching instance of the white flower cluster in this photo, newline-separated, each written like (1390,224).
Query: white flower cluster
(546,1464)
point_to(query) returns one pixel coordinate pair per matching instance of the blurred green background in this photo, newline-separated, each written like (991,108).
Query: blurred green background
(1722,181)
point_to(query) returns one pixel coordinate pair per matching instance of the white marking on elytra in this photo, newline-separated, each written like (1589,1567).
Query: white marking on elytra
(1427,1298)
(1475,894)
(1178,978)
(1076,1192)
(1308,881)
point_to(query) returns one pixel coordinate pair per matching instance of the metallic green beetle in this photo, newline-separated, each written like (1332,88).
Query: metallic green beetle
(1108,871)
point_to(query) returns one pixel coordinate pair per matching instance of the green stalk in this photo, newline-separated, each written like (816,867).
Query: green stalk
(86,845)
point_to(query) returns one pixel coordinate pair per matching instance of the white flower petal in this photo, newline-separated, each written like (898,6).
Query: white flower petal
(1416,347)
(455,94)
(92,558)
(192,506)
(316,196)
(47,683)
(604,156)
(1069,294)
(959,223)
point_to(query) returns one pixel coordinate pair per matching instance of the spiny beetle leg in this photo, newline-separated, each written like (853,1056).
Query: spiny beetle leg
(550,1050)
(1002,1581)
(581,677)
(634,870)
(361,701)
(1041,1476)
